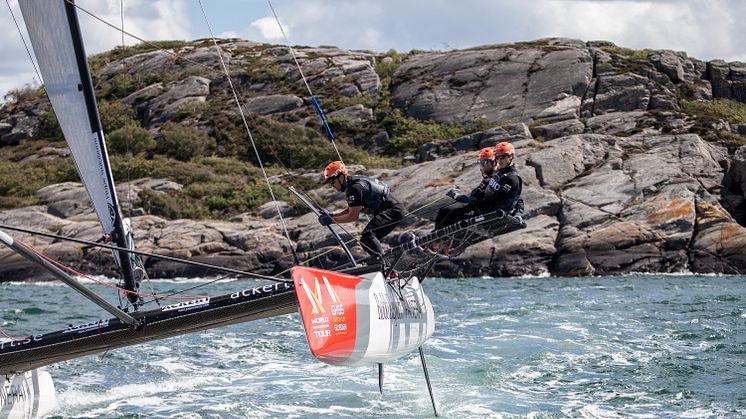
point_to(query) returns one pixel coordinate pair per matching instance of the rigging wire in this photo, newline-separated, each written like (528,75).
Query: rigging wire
(248,131)
(154,45)
(141,253)
(74,272)
(176,55)
(315,102)
(28,51)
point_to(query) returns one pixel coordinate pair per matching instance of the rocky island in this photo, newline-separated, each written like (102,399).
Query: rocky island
(633,160)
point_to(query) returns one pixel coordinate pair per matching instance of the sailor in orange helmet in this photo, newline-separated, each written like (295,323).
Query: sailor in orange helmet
(500,188)
(367,195)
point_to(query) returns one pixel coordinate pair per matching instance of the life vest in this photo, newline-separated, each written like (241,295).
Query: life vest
(494,186)
(375,191)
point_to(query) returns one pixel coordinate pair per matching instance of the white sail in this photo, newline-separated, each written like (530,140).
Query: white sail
(65,79)
(55,36)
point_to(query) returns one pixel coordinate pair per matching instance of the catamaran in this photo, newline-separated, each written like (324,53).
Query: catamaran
(369,313)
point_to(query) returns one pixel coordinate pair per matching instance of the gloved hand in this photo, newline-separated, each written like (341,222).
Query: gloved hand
(325,219)
(465,199)
(452,193)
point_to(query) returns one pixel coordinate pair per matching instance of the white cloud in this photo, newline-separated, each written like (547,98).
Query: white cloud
(151,20)
(147,19)
(266,28)
(704,29)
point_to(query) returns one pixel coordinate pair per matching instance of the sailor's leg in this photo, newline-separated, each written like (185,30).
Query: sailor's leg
(382,224)
(453,214)
(370,242)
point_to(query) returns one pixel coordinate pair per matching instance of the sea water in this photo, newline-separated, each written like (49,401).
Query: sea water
(630,346)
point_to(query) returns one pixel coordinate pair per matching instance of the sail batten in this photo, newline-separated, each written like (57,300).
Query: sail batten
(55,36)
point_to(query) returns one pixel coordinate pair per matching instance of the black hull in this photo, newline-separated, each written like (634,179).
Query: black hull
(172,320)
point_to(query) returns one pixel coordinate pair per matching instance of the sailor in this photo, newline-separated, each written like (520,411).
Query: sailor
(364,195)
(500,188)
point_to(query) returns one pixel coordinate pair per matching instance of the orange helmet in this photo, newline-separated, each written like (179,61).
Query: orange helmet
(504,148)
(333,170)
(487,153)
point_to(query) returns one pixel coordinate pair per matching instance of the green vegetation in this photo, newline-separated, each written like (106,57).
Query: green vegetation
(213,187)
(97,61)
(19,182)
(632,60)
(709,114)
(386,66)
(130,138)
(205,147)
(24,94)
(628,52)
(49,128)
(116,115)
(729,110)
(183,143)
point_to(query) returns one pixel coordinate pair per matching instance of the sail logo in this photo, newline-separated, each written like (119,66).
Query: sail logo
(314,294)
(87,327)
(188,305)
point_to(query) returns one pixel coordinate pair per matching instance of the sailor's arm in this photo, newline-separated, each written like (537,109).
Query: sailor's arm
(348,215)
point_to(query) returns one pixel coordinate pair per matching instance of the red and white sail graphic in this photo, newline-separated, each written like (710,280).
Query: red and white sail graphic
(352,320)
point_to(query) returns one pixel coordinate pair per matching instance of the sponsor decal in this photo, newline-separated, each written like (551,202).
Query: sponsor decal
(188,305)
(112,211)
(14,393)
(494,184)
(87,327)
(315,297)
(507,187)
(394,308)
(319,317)
(264,289)
(21,342)
(327,305)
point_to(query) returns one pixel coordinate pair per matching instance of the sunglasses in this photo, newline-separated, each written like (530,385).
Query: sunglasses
(502,156)
(485,162)
(331,180)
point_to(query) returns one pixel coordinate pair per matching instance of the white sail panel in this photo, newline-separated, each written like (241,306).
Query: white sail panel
(68,86)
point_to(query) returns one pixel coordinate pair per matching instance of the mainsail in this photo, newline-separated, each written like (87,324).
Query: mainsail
(55,35)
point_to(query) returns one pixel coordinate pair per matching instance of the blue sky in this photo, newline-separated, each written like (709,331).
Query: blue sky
(705,29)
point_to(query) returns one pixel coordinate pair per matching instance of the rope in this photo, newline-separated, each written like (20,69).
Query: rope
(7,336)
(315,102)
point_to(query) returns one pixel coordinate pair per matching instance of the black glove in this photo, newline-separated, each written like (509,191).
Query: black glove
(452,193)
(465,199)
(325,219)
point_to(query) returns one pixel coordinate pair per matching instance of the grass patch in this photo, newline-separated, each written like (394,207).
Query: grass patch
(19,182)
(26,93)
(628,52)
(726,109)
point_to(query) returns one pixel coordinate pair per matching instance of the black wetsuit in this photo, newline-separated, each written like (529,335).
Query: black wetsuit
(387,211)
(501,190)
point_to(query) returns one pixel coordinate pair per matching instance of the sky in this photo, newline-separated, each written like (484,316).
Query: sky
(705,29)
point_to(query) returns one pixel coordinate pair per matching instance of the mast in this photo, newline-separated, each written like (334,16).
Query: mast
(55,35)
